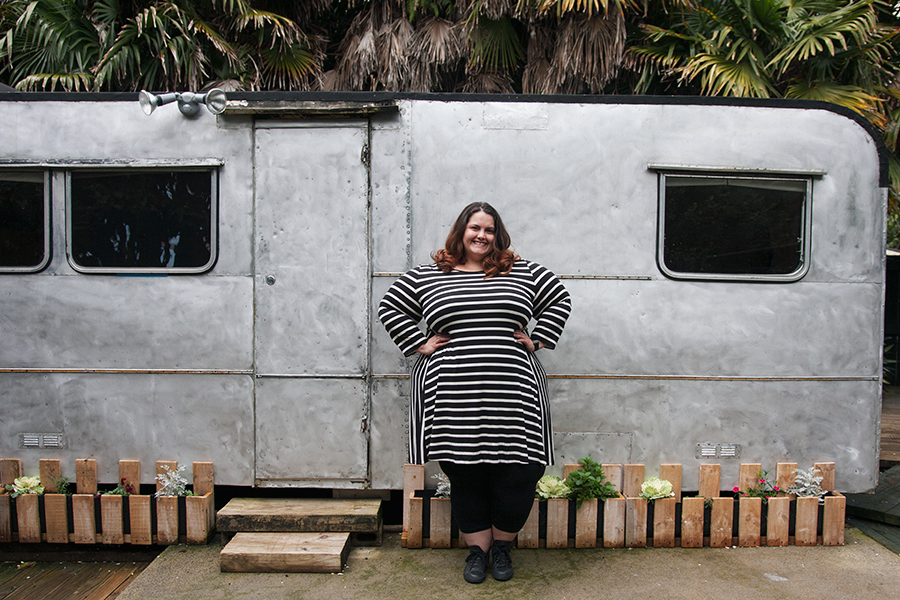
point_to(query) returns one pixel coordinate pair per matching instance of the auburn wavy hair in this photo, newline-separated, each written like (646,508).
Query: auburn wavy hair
(498,262)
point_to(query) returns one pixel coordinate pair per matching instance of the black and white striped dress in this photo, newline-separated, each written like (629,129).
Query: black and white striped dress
(481,398)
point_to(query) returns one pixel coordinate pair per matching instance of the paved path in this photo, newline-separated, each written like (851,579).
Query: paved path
(861,569)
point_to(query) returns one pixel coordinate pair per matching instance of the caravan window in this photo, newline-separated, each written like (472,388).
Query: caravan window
(24,221)
(142,221)
(747,228)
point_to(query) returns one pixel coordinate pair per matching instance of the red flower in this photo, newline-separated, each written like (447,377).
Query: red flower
(736,489)
(776,488)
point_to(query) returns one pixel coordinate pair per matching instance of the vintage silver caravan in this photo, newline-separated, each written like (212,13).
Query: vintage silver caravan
(204,288)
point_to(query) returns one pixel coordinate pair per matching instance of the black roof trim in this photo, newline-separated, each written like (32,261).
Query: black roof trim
(368,97)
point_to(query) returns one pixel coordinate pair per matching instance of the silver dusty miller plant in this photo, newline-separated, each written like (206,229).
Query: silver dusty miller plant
(443,486)
(806,483)
(172,483)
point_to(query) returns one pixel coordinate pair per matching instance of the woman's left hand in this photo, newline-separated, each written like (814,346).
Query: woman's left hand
(522,338)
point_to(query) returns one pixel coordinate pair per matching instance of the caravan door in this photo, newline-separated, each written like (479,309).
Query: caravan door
(311,282)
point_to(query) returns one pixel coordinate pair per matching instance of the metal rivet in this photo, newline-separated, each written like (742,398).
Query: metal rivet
(270,280)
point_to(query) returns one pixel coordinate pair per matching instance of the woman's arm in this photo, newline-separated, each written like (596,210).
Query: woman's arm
(400,312)
(552,306)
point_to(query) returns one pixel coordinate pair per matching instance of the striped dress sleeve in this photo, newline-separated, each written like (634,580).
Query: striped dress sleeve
(400,312)
(552,306)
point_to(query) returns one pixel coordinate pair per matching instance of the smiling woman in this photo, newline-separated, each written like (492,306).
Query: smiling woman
(479,402)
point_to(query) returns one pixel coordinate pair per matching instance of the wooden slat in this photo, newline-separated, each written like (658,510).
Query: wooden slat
(414,537)
(664,522)
(413,479)
(28,519)
(86,476)
(56,517)
(5,518)
(586,524)
(160,470)
(614,522)
(750,516)
(613,473)
(692,522)
(828,474)
(636,523)
(203,478)
(10,470)
(139,519)
(710,479)
(84,523)
(130,472)
(439,522)
(285,553)
(807,521)
(112,519)
(528,536)
(749,476)
(50,472)
(672,473)
(557,523)
(633,477)
(199,518)
(833,527)
(721,530)
(167,520)
(785,476)
(301,514)
(778,521)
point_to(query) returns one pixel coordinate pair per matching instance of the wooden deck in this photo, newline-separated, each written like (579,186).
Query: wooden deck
(890,424)
(65,580)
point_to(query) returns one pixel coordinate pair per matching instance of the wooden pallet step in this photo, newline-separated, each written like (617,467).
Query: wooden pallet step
(302,552)
(361,517)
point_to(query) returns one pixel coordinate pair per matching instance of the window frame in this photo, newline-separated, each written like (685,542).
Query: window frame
(114,169)
(806,227)
(48,229)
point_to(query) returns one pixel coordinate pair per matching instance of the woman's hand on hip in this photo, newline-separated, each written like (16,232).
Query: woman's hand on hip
(526,341)
(433,343)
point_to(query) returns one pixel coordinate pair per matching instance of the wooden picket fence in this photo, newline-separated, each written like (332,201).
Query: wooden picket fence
(87,517)
(709,519)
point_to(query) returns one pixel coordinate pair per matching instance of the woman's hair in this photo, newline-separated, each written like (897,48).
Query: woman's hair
(501,258)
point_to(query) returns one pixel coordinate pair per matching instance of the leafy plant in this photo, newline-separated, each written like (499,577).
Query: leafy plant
(655,488)
(763,488)
(25,485)
(62,484)
(172,483)
(123,489)
(551,486)
(807,483)
(589,482)
(443,486)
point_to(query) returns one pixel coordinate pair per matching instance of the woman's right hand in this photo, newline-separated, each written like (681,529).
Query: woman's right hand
(433,343)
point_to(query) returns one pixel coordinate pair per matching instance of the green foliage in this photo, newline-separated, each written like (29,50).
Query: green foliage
(763,488)
(62,484)
(122,489)
(172,483)
(551,486)
(589,482)
(25,485)
(655,488)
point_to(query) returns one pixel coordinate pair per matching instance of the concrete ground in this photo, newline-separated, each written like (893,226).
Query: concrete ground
(861,568)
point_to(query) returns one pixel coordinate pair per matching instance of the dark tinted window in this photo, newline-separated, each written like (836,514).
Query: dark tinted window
(733,226)
(142,220)
(23,221)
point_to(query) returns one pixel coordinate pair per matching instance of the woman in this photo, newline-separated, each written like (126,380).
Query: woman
(478,397)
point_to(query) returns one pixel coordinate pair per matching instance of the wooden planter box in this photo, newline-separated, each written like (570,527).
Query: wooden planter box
(713,520)
(90,518)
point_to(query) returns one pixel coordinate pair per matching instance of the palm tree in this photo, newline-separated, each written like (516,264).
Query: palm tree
(164,44)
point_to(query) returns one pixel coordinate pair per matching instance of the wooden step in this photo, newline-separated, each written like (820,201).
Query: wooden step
(285,553)
(360,517)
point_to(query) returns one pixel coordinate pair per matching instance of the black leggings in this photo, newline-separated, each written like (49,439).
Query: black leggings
(491,495)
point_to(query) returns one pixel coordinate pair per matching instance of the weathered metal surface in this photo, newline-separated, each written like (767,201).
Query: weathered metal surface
(291,381)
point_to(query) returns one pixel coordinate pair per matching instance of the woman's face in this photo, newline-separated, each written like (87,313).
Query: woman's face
(478,239)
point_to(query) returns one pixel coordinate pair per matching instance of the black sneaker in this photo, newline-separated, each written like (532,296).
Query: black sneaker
(502,569)
(476,565)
